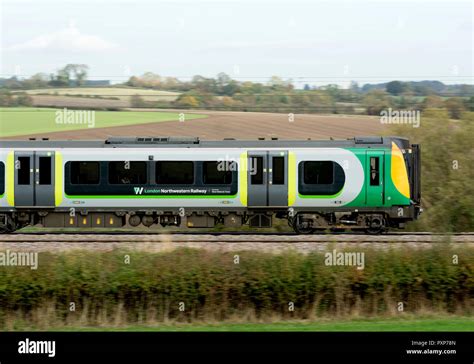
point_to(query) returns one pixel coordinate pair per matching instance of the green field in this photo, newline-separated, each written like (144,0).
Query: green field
(27,121)
(454,323)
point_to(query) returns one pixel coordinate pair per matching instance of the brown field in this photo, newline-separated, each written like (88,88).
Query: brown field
(239,125)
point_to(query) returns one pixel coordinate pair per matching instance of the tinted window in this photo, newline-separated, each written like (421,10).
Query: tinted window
(175,172)
(218,173)
(374,171)
(84,173)
(320,178)
(126,172)
(23,166)
(278,170)
(44,170)
(256,170)
(318,173)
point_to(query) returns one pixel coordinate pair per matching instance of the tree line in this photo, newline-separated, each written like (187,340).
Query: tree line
(275,95)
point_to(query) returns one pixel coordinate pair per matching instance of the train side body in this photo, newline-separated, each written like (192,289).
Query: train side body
(368,184)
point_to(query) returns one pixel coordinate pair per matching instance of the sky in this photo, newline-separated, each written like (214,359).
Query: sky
(314,42)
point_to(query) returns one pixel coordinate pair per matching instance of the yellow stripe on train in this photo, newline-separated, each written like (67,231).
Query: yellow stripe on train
(243,178)
(58,179)
(10,188)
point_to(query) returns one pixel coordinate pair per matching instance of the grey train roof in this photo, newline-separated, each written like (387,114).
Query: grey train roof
(187,142)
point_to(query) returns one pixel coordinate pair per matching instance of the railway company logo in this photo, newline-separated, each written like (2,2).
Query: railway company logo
(86,117)
(19,259)
(351,259)
(390,116)
(138,190)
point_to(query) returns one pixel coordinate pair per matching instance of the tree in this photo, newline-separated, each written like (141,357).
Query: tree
(12,83)
(38,80)
(137,101)
(455,106)
(375,101)
(187,101)
(432,101)
(203,84)
(76,71)
(354,87)
(223,79)
(395,87)
(470,104)
(80,73)
(65,75)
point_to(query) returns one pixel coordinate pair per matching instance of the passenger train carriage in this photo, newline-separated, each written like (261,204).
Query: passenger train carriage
(365,183)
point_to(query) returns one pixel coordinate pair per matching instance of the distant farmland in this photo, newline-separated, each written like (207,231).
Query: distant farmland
(28,121)
(121,93)
(96,97)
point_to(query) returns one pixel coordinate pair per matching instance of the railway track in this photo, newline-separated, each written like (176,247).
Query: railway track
(220,233)
(224,241)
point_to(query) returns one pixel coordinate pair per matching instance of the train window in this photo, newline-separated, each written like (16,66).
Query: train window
(218,173)
(320,178)
(175,172)
(2,178)
(85,173)
(126,172)
(44,170)
(374,171)
(256,170)
(23,170)
(278,170)
(319,172)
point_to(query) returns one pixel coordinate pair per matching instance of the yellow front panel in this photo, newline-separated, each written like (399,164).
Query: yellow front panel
(398,171)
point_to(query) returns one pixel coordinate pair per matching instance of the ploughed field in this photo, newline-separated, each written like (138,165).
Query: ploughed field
(41,123)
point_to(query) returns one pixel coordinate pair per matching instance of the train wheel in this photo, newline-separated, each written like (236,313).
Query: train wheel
(8,225)
(376,226)
(301,227)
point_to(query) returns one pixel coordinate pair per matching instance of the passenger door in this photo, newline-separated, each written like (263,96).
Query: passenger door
(375,194)
(267,178)
(34,179)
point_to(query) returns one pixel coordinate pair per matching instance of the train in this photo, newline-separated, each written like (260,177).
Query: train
(366,184)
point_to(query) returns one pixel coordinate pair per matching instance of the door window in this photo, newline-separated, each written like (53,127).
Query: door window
(278,173)
(256,171)
(374,171)
(44,170)
(23,170)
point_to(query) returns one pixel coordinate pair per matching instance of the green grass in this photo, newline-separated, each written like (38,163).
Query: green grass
(455,323)
(27,121)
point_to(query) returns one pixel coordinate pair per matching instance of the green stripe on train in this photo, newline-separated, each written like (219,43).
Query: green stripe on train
(322,196)
(151,196)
